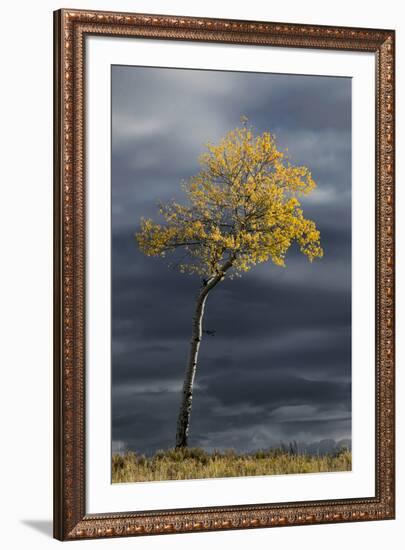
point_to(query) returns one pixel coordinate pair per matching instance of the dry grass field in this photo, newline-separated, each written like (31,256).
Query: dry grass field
(189,463)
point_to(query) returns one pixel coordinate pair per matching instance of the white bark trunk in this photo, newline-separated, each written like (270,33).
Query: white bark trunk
(183,421)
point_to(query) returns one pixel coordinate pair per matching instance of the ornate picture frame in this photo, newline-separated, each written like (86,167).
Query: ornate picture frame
(71,518)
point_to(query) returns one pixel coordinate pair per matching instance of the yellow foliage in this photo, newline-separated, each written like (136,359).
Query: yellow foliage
(243,207)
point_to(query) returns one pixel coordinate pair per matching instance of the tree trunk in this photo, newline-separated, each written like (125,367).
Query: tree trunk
(183,421)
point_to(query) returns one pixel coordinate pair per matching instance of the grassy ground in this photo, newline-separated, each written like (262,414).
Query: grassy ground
(198,464)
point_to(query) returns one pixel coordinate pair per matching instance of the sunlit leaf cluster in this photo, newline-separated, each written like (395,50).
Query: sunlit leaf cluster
(242,207)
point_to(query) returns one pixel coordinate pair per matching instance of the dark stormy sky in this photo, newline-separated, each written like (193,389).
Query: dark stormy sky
(278,368)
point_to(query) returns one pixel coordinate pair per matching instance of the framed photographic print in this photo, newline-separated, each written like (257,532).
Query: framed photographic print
(224,274)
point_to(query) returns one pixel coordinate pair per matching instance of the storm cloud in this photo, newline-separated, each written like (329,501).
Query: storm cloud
(279,366)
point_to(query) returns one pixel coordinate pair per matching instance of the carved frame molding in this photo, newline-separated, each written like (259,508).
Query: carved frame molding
(70,518)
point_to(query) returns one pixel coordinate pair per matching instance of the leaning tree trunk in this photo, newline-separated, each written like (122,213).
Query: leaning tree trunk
(183,421)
